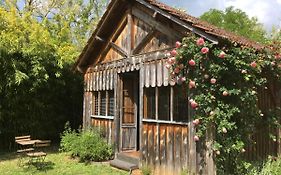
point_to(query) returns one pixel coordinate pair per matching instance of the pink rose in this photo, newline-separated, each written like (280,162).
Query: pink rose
(200,42)
(253,64)
(178,44)
(174,52)
(213,81)
(205,50)
(177,70)
(194,105)
(222,54)
(196,121)
(171,60)
(182,79)
(225,93)
(277,56)
(273,63)
(191,62)
(191,84)
(196,138)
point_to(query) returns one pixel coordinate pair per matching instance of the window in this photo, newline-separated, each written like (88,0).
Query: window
(149,103)
(96,103)
(157,104)
(103,103)
(180,105)
(164,103)
(110,103)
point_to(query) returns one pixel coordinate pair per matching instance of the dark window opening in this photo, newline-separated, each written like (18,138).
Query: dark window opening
(164,103)
(111,103)
(103,103)
(180,112)
(149,103)
(96,103)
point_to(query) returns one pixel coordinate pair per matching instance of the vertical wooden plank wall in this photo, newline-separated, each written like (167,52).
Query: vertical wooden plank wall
(269,98)
(106,127)
(168,153)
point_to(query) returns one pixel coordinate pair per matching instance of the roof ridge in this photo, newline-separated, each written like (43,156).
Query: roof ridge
(207,27)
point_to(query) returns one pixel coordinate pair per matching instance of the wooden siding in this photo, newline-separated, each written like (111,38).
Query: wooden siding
(159,41)
(138,33)
(268,98)
(107,128)
(165,146)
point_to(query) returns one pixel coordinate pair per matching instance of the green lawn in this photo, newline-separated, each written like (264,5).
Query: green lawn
(55,164)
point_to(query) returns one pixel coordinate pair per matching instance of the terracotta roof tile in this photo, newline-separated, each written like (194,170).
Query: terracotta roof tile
(211,29)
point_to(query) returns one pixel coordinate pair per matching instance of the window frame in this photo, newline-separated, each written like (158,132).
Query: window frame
(106,116)
(171,108)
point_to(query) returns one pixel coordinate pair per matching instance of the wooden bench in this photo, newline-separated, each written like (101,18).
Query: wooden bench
(38,155)
(22,138)
(23,149)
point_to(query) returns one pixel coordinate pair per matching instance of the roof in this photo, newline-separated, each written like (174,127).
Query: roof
(188,19)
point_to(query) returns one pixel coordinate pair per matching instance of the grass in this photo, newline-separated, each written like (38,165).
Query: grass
(55,163)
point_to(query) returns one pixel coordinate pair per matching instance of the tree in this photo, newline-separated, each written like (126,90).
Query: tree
(38,46)
(237,21)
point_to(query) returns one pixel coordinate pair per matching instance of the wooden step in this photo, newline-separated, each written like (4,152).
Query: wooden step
(128,157)
(123,165)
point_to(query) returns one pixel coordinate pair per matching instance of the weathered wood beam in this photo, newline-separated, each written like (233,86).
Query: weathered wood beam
(130,25)
(113,37)
(118,49)
(155,24)
(144,41)
(180,22)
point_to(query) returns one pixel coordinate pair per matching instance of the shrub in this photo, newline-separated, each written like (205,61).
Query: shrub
(271,167)
(88,145)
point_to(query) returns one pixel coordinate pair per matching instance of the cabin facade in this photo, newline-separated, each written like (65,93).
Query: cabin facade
(128,90)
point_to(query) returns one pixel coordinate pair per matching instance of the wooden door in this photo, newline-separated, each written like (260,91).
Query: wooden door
(129,116)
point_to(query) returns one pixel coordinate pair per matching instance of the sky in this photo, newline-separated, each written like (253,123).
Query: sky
(268,12)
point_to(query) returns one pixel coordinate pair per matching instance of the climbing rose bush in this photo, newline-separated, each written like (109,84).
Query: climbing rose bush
(223,82)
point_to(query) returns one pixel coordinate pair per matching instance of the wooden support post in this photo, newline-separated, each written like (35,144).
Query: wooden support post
(116,112)
(192,145)
(209,153)
(130,26)
(141,85)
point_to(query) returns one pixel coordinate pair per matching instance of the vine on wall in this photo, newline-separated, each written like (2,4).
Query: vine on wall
(222,83)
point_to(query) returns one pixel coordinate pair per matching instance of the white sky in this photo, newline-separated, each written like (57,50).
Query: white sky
(268,12)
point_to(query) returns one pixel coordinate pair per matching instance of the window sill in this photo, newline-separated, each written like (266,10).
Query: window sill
(164,122)
(103,117)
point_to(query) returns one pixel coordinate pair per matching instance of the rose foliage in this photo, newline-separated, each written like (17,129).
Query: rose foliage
(223,81)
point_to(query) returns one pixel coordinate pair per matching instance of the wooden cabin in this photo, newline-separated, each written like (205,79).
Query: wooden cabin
(128,91)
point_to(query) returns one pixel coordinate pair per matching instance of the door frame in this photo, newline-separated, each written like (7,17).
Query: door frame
(122,77)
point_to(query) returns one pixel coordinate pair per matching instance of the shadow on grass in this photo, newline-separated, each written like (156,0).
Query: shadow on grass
(39,166)
(11,155)
(5,156)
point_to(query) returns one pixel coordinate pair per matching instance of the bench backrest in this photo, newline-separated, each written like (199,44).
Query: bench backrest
(22,138)
(42,143)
